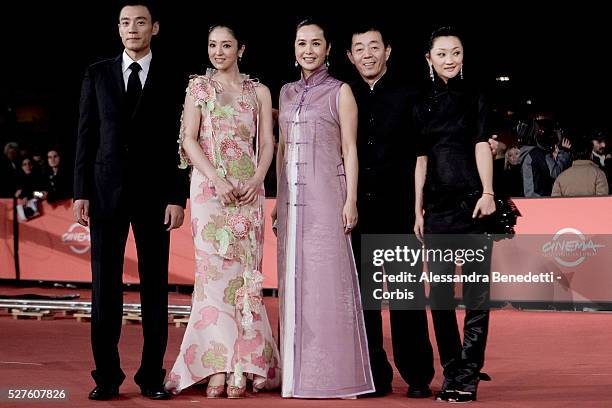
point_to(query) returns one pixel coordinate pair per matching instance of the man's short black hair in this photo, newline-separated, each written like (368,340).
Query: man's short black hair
(149,4)
(366,27)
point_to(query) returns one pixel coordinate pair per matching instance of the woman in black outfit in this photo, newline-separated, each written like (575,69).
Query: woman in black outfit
(454,194)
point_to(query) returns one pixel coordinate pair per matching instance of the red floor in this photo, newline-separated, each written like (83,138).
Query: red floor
(536,359)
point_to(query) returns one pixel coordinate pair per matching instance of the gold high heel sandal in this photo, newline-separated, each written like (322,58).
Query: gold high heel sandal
(215,391)
(234,391)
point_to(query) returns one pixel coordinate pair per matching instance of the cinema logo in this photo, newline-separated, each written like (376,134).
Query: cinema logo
(77,238)
(570,247)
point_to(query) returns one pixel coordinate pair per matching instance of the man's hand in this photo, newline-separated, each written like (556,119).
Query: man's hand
(566,144)
(174,216)
(80,208)
(274,216)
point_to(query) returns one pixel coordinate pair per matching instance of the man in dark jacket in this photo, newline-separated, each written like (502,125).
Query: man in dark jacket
(126,174)
(385,146)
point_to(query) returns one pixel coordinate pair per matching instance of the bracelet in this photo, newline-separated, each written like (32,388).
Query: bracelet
(491,194)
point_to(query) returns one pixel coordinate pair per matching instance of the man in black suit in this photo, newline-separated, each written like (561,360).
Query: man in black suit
(386,151)
(126,173)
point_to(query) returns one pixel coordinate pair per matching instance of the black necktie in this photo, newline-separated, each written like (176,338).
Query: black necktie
(134,87)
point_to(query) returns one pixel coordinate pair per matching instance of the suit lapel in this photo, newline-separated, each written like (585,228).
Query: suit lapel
(150,77)
(118,84)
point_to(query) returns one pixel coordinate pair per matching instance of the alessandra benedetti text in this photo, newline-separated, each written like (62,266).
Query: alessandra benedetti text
(495,277)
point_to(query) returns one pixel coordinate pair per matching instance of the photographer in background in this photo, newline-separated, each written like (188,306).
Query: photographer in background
(544,154)
(30,188)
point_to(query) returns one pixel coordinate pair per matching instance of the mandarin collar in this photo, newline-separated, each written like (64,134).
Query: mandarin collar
(316,78)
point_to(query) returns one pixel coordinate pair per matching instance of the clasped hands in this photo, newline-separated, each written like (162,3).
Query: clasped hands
(242,194)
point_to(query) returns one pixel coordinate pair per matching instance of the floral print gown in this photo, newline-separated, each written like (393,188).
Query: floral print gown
(228,329)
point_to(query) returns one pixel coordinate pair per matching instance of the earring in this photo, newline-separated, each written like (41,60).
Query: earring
(240,58)
(431,73)
(461,72)
(296,64)
(327,62)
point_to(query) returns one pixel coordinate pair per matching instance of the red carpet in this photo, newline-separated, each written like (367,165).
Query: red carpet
(536,359)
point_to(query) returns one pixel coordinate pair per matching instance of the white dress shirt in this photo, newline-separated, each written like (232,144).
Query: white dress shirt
(601,158)
(144,62)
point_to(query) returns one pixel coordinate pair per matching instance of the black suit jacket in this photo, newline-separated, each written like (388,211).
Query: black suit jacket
(386,151)
(123,155)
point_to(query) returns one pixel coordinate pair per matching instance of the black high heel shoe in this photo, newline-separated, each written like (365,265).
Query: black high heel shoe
(460,393)
(446,395)
(462,396)
(449,388)
(466,392)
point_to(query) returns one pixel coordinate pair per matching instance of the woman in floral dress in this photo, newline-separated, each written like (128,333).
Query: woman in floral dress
(228,334)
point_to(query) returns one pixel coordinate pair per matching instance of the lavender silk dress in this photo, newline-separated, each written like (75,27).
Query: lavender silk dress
(324,351)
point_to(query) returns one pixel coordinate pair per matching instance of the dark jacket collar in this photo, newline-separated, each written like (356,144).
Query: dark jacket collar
(456,84)
(360,84)
(118,75)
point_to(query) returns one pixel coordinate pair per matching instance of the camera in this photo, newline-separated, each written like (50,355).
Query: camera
(542,132)
(28,211)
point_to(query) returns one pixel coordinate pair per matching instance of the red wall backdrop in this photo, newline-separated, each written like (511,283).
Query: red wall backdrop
(550,221)
(54,248)
(7,266)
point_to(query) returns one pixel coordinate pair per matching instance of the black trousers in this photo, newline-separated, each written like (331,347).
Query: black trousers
(412,351)
(108,239)
(461,361)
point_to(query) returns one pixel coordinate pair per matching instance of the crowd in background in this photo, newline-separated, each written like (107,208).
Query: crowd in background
(546,163)
(541,163)
(32,176)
